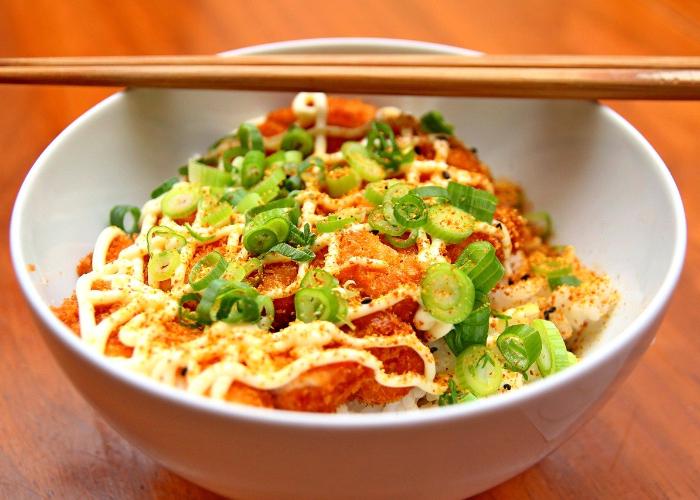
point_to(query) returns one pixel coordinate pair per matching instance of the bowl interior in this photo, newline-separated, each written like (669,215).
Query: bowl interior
(607,190)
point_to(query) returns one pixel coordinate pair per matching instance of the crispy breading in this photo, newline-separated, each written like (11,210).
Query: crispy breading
(321,389)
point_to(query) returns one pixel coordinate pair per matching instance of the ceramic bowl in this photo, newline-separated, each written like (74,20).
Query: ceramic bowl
(609,193)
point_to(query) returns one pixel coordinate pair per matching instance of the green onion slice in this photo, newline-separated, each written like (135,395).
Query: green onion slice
(315,304)
(447,293)
(163,265)
(205,175)
(434,123)
(481,204)
(286,203)
(381,144)
(296,138)
(403,242)
(378,222)
(174,240)
(449,223)
(333,223)
(431,192)
(212,266)
(542,223)
(233,196)
(520,345)
(250,138)
(473,330)
(227,157)
(553,356)
(259,240)
(478,371)
(220,216)
(375,191)
(318,278)
(453,395)
(482,266)
(165,187)
(253,168)
(557,281)
(341,181)
(359,158)
(180,203)
(196,235)
(250,200)
(296,254)
(410,211)
(118,216)
(268,188)
(187,317)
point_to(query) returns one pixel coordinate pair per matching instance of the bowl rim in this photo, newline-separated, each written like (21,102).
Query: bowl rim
(347,421)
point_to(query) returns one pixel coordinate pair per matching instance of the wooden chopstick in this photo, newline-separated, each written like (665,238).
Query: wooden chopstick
(412,60)
(660,79)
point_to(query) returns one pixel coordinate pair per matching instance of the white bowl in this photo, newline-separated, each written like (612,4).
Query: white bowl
(610,195)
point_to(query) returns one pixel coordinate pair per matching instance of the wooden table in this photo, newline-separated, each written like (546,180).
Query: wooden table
(646,440)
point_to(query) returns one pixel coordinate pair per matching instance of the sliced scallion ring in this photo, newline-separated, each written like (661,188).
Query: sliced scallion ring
(333,223)
(410,211)
(447,293)
(249,201)
(473,330)
(259,240)
(403,242)
(180,203)
(482,266)
(253,168)
(375,191)
(520,345)
(431,192)
(542,222)
(481,204)
(205,175)
(359,158)
(318,278)
(196,235)
(188,318)
(449,223)
(163,265)
(315,304)
(173,240)
(296,138)
(119,214)
(341,181)
(553,356)
(378,222)
(165,187)
(219,216)
(250,138)
(228,156)
(211,266)
(478,371)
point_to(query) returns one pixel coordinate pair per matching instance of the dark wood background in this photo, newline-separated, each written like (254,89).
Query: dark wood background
(644,443)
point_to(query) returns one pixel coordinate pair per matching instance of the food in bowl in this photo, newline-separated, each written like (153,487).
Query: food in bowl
(333,256)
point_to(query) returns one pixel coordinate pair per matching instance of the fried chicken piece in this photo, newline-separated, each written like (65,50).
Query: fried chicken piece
(375,282)
(461,157)
(277,122)
(349,113)
(398,360)
(321,389)
(244,394)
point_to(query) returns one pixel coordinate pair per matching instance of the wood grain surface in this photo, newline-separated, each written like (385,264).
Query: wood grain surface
(645,443)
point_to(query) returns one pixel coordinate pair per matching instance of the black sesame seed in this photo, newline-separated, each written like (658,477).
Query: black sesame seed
(525,277)
(549,311)
(506,387)
(446,174)
(374,231)
(366,300)
(474,150)
(433,349)
(510,281)
(183,371)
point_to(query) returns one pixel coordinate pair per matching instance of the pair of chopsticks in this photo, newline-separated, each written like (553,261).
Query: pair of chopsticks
(570,77)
